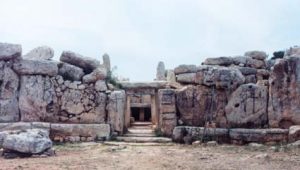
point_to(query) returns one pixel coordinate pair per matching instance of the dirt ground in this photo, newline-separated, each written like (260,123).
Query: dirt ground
(103,156)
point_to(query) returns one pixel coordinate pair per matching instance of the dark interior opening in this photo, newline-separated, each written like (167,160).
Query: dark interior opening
(136,114)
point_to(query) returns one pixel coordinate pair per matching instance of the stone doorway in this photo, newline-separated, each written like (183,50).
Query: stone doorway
(142,114)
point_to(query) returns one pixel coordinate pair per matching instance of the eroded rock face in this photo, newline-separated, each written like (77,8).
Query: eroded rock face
(40,53)
(10,51)
(36,67)
(86,63)
(198,104)
(116,108)
(70,72)
(284,94)
(9,84)
(31,141)
(37,98)
(247,107)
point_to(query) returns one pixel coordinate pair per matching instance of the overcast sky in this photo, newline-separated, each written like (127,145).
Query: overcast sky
(139,33)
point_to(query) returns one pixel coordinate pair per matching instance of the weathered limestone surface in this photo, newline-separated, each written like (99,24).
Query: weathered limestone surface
(36,67)
(106,62)
(190,133)
(167,111)
(160,71)
(259,135)
(294,133)
(99,73)
(40,53)
(293,51)
(9,84)
(259,55)
(171,77)
(284,94)
(37,98)
(10,51)
(70,72)
(116,108)
(198,104)
(86,63)
(185,69)
(95,131)
(247,107)
(33,141)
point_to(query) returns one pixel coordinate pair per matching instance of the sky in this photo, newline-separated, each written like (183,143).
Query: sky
(137,34)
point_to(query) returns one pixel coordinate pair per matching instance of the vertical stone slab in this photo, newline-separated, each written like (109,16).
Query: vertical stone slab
(167,111)
(160,71)
(116,110)
(106,62)
(9,83)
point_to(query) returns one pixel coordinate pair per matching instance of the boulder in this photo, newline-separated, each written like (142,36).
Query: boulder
(250,79)
(116,107)
(86,63)
(247,70)
(37,98)
(198,104)
(245,61)
(100,86)
(96,131)
(294,133)
(31,141)
(70,72)
(185,69)
(247,107)
(258,55)
(106,62)
(35,67)
(284,96)
(10,51)
(259,135)
(40,53)
(9,84)
(186,78)
(220,61)
(160,71)
(98,74)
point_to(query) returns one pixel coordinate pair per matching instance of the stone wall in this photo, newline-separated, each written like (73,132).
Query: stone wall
(246,91)
(35,88)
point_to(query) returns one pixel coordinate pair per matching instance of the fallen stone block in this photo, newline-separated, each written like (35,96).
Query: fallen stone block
(10,51)
(36,67)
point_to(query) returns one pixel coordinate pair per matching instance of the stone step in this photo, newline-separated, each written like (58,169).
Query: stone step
(144,131)
(140,127)
(144,139)
(141,124)
(139,135)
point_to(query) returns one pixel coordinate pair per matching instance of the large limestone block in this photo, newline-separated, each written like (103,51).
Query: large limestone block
(246,61)
(99,73)
(284,94)
(185,69)
(86,63)
(189,78)
(259,55)
(70,72)
(247,107)
(294,133)
(97,131)
(9,84)
(40,53)
(259,135)
(198,104)
(116,110)
(221,61)
(31,141)
(37,100)
(171,76)
(160,71)
(10,51)
(36,67)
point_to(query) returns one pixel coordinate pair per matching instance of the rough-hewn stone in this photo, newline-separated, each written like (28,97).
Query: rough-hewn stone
(9,84)
(116,109)
(293,51)
(40,53)
(247,107)
(100,86)
(259,55)
(106,62)
(70,72)
(160,71)
(294,133)
(171,76)
(36,67)
(284,94)
(220,61)
(98,74)
(185,69)
(10,51)
(86,63)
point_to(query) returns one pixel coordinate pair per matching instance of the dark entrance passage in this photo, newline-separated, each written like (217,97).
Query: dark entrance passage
(141,114)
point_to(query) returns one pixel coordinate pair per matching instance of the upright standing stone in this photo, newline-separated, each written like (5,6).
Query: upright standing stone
(171,76)
(106,62)
(160,71)
(116,110)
